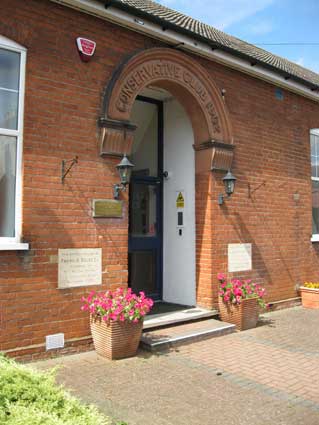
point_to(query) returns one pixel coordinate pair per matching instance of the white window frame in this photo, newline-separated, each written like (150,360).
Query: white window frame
(315,236)
(15,243)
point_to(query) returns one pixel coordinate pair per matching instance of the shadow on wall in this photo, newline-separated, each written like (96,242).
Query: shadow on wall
(265,241)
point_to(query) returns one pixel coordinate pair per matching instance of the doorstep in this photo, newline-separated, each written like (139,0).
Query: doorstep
(181,316)
(164,338)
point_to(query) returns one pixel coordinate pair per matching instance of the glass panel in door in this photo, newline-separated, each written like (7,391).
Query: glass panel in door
(145,238)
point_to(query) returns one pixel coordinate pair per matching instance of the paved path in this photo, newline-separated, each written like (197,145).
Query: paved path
(268,375)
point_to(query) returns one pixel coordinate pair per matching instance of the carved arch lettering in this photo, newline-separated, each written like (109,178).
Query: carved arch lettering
(181,75)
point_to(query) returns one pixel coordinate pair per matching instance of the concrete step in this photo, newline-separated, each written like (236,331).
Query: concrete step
(164,338)
(188,315)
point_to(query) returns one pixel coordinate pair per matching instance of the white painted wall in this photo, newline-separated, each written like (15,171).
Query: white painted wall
(179,274)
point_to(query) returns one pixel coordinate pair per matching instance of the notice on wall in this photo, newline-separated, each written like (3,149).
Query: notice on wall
(79,267)
(239,257)
(180,199)
(107,208)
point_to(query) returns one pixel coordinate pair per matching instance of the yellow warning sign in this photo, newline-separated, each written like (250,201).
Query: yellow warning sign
(180,203)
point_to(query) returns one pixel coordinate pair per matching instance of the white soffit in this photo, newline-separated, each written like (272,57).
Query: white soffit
(96,8)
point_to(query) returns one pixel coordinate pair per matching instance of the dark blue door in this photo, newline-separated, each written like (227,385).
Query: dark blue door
(146,202)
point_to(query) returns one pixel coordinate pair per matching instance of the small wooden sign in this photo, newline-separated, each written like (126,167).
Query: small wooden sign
(107,208)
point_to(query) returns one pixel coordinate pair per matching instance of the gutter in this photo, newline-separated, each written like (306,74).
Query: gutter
(213,45)
(141,22)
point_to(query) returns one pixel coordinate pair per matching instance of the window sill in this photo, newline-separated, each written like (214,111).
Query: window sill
(14,246)
(315,238)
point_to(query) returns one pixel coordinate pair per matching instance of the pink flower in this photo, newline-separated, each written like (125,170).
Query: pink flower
(118,305)
(238,292)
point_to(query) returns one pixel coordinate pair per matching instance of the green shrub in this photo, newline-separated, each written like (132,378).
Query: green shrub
(28,397)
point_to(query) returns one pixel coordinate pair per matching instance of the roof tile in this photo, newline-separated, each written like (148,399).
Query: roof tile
(223,40)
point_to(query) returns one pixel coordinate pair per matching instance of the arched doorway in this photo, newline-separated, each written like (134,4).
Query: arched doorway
(203,129)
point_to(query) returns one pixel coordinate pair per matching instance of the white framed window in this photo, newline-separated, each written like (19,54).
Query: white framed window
(12,81)
(314,143)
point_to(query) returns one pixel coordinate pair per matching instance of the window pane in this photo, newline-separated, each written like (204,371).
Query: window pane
(9,69)
(314,140)
(8,110)
(8,150)
(315,207)
(313,145)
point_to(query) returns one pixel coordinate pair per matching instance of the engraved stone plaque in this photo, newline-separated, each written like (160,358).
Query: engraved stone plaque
(107,208)
(239,257)
(79,267)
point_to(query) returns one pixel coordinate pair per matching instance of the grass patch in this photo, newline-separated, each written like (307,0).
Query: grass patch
(28,397)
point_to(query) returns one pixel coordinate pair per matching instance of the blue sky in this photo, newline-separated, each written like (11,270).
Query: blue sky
(263,21)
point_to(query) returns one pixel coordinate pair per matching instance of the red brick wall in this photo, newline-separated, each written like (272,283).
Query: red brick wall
(63,103)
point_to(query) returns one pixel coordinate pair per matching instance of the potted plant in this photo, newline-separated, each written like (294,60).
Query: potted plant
(116,320)
(310,295)
(240,301)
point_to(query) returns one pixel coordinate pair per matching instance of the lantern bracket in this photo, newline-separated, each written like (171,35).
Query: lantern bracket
(117,188)
(65,171)
(251,191)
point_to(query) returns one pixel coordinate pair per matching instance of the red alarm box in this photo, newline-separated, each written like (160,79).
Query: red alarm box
(86,48)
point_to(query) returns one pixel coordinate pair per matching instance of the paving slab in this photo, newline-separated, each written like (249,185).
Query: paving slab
(268,375)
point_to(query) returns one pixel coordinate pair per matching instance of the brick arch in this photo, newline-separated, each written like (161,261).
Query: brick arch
(184,78)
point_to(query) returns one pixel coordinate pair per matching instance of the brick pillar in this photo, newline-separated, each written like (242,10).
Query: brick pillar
(204,242)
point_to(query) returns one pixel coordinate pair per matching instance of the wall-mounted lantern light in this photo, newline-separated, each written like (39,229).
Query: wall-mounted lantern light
(124,168)
(229,182)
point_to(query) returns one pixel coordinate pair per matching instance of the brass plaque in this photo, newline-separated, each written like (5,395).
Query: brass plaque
(107,208)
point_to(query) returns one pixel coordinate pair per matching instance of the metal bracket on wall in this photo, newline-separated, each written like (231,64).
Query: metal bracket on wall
(250,191)
(65,171)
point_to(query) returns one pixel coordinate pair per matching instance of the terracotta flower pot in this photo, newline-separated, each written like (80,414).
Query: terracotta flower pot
(243,315)
(116,340)
(309,297)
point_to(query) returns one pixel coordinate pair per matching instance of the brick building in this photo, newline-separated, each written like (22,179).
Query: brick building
(186,103)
